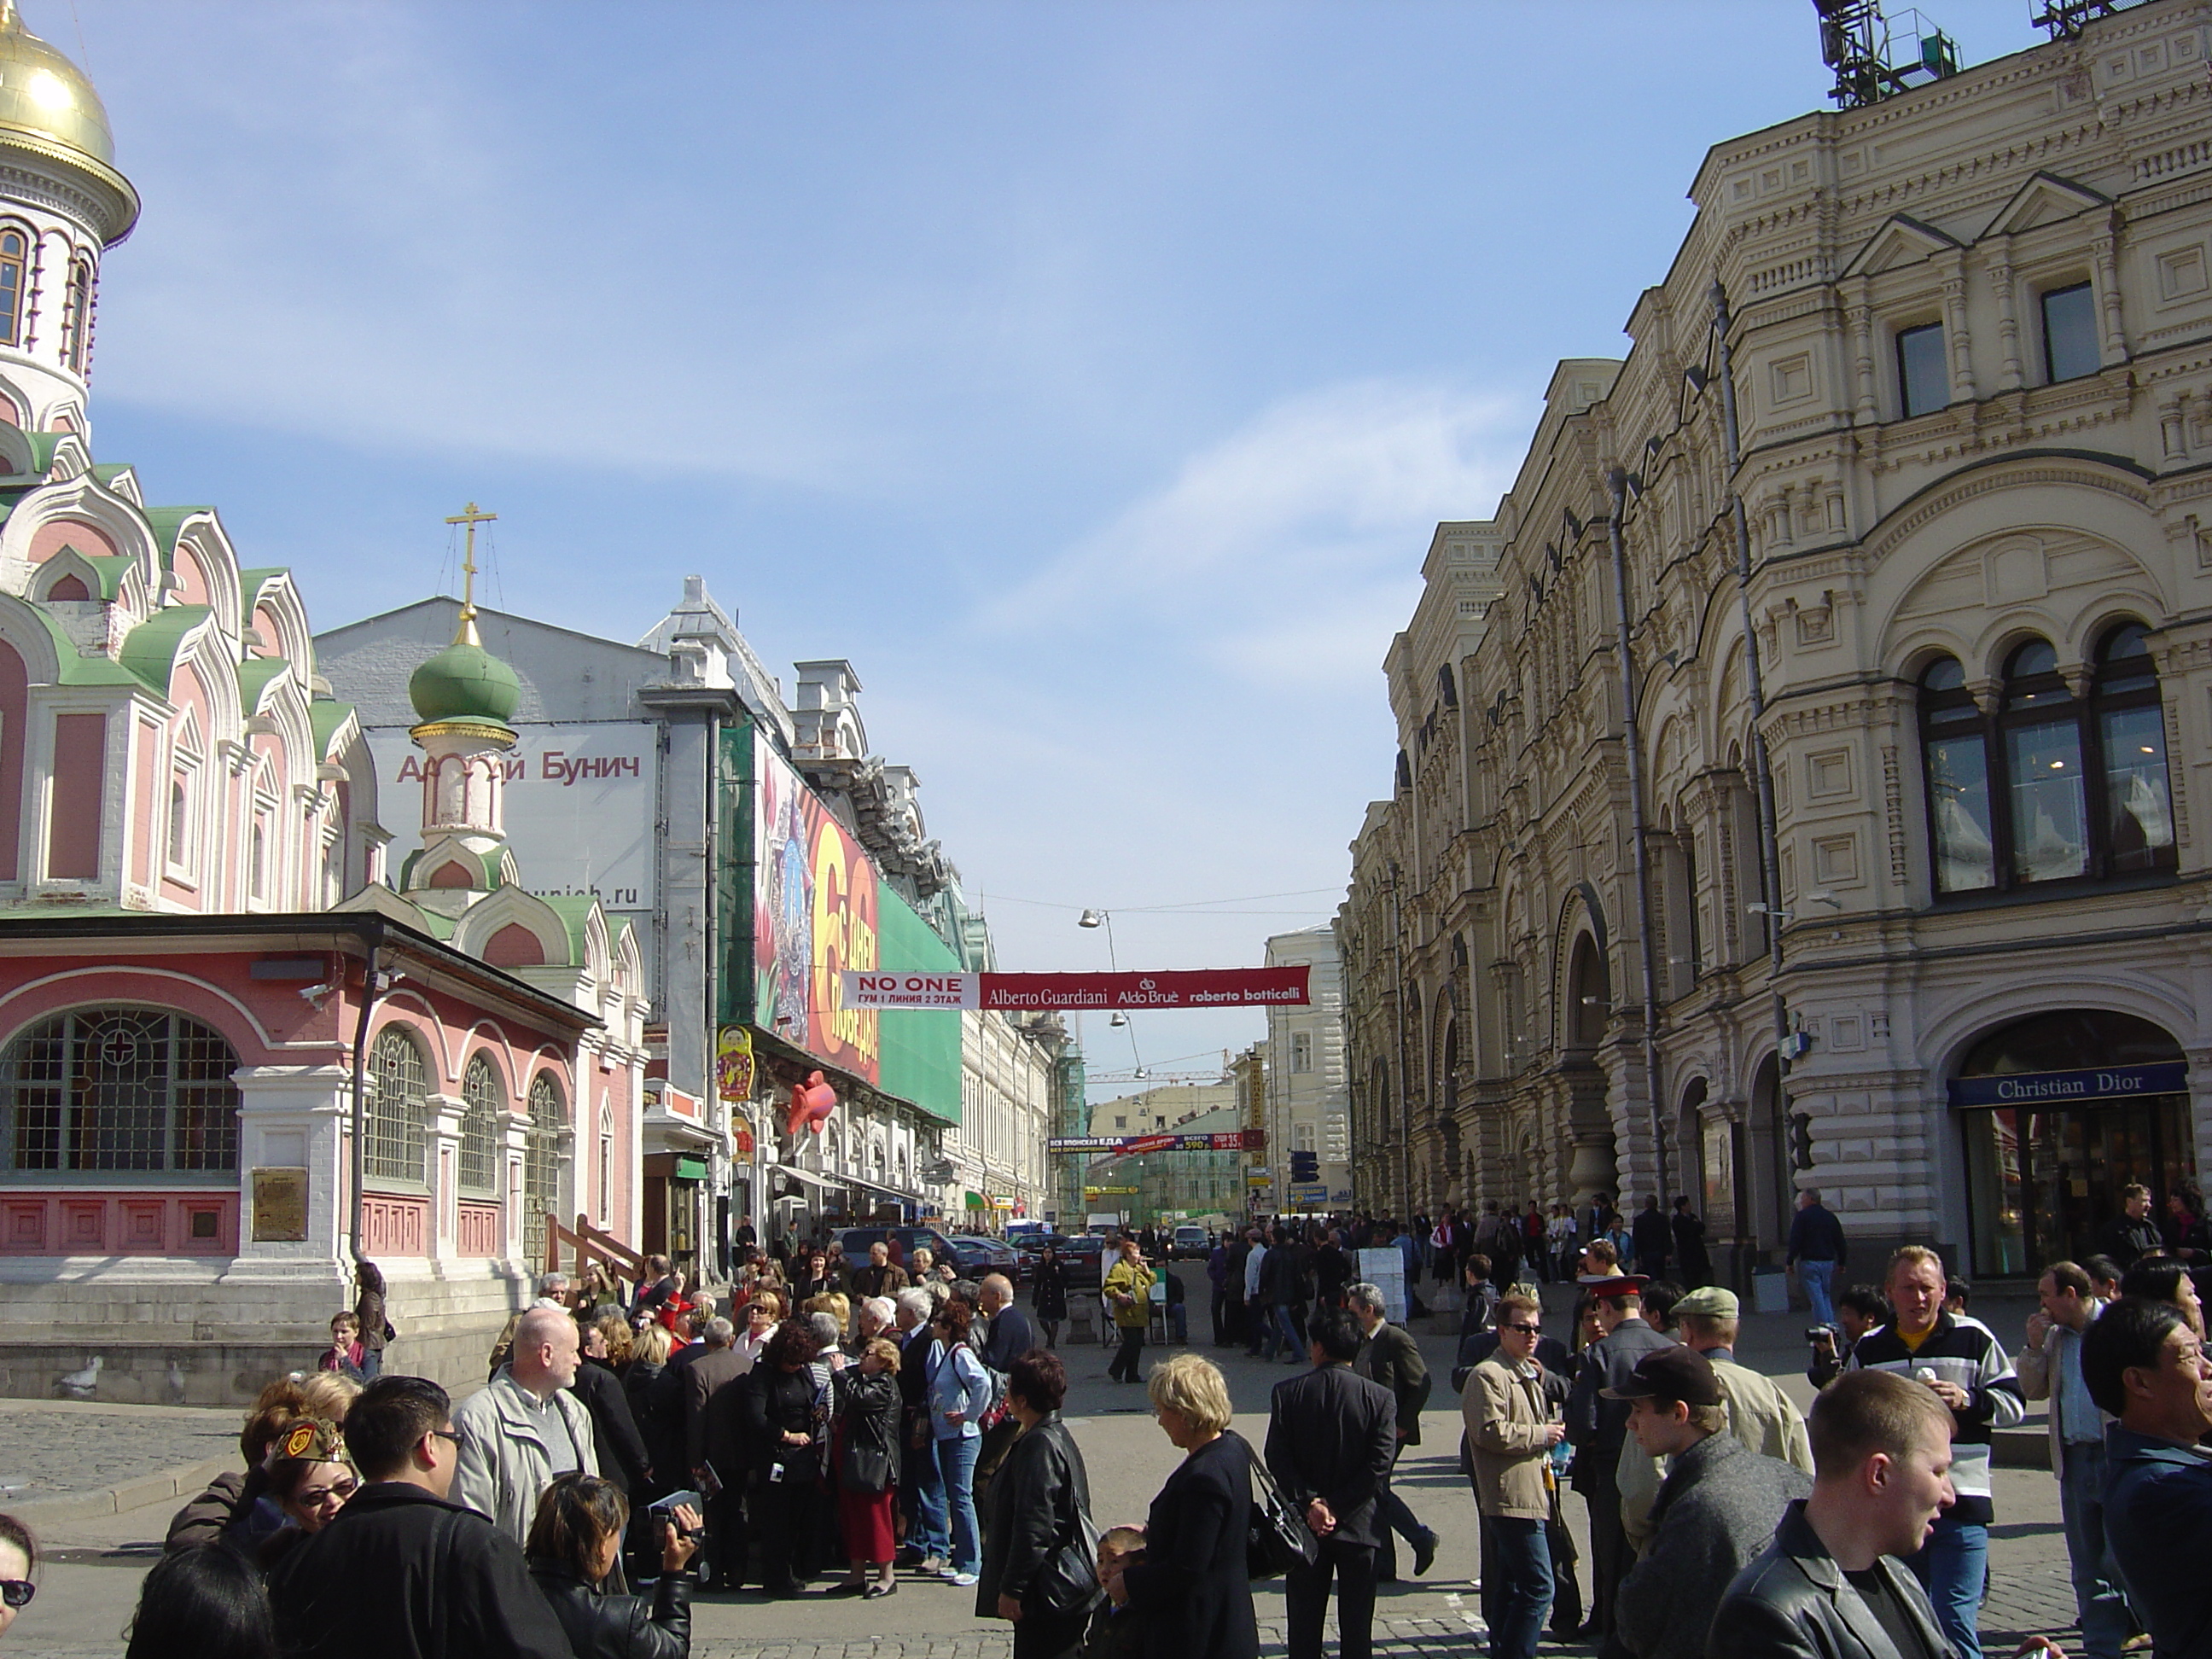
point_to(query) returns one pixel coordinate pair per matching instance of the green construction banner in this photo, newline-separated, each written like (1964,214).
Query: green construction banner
(920,1047)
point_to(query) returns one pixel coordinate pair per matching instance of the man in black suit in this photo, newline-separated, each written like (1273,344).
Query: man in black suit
(1012,1335)
(1596,1425)
(1389,1355)
(711,1436)
(1331,1436)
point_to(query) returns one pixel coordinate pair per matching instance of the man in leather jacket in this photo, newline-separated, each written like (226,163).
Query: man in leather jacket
(1596,1426)
(1834,1584)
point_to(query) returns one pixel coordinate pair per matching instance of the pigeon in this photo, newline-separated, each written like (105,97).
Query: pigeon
(80,1385)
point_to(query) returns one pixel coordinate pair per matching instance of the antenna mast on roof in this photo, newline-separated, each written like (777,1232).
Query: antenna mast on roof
(1875,58)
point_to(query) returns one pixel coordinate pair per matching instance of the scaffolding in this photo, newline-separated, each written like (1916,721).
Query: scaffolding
(1876,57)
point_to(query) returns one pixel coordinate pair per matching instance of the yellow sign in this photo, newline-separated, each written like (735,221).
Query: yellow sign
(280,1206)
(733,1063)
(1100,1192)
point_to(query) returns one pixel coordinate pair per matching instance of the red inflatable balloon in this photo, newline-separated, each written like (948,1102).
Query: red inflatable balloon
(811,1102)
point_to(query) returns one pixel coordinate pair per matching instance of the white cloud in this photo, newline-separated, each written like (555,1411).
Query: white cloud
(1292,545)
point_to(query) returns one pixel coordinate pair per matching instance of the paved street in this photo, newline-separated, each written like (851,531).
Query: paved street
(87,1592)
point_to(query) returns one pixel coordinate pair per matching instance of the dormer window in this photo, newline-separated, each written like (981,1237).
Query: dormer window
(1923,379)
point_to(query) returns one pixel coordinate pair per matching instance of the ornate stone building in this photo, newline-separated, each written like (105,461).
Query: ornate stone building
(1968,355)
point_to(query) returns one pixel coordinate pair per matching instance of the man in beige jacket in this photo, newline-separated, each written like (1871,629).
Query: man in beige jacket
(1761,1416)
(1511,1432)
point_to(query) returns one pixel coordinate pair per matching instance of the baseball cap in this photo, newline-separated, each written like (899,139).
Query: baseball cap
(1676,1373)
(1709,1302)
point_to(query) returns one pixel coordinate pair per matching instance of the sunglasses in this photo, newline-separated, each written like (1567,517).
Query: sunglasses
(17,1592)
(1525,1330)
(315,1497)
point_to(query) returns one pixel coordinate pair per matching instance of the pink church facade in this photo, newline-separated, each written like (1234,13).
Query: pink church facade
(232,1061)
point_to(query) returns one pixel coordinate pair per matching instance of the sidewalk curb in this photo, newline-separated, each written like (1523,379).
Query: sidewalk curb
(184,1480)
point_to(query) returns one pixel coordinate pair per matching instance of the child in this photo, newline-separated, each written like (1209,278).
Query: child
(343,1355)
(1116,1632)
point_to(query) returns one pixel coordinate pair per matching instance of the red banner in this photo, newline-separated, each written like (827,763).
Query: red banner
(1205,988)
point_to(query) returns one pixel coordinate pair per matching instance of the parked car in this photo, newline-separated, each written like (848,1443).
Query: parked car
(978,1255)
(1029,1250)
(1190,1244)
(902,1241)
(1086,1258)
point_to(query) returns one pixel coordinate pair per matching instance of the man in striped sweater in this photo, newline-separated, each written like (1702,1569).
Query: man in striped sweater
(1964,1366)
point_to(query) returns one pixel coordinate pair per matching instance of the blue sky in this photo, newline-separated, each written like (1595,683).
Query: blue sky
(1091,375)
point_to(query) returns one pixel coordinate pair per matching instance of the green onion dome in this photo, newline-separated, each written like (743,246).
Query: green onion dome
(464,682)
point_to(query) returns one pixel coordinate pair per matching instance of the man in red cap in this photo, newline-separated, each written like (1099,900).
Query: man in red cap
(1596,1425)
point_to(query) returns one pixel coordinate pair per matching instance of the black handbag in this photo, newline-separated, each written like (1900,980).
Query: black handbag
(1067,1584)
(866,1469)
(1278,1538)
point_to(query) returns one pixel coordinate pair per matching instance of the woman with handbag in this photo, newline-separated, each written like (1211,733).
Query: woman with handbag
(867,1460)
(1193,1587)
(777,1397)
(1040,1548)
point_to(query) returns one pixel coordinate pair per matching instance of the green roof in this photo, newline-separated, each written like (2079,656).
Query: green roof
(253,677)
(108,471)
(149,650)
(250,584)
(168,523)
(109,569)
(326,719)
(575,910)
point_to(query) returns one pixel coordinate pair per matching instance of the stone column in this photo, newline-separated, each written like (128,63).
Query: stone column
(442,1136)
(294,1118)
(2001,282)
(523,1246)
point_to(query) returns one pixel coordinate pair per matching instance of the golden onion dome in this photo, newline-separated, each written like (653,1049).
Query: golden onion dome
(45,95)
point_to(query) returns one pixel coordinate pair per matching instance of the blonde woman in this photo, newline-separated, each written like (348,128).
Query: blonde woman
(1194,1588)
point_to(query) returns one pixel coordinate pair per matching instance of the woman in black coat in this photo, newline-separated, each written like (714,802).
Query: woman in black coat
(575,1540)
(1048,1294)
(786,1435)
(1194,1588)
(1040,1553)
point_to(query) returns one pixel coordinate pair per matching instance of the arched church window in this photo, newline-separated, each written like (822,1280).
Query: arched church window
(397,1105)
(15,255)
(2052,787)
(486,1103)
(541,1157)
(76,317)
(118,1089)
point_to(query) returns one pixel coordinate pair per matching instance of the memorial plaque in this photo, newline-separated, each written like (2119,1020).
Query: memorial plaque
(280,1206)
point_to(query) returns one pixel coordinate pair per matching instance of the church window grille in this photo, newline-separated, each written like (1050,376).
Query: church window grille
(118,1089)
(541,1157)
(397,1104)
(485,1104)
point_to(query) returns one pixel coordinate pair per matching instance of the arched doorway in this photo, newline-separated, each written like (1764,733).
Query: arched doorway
(2059,1112)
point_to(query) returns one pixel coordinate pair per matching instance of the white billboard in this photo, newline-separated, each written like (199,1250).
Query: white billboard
(580,806)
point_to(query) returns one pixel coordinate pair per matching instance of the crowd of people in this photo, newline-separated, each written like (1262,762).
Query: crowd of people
(628,1451)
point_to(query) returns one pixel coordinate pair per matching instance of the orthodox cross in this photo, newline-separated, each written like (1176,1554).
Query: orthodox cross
(472,515)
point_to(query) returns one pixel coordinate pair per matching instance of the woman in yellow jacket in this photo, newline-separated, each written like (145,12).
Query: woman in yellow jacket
(1128,1289)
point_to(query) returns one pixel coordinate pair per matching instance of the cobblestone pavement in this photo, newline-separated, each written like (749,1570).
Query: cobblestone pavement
(91,1581)
(50,1448)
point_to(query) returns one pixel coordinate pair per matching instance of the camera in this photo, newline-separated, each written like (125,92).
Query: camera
(1821,1336)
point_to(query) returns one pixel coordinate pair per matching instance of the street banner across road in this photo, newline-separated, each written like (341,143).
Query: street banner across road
(1203,987)
(1231,1141)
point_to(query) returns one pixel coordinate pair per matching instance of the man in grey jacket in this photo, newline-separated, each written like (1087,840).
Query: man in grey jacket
(1716,1510)
(1597,1427)
(523,1428)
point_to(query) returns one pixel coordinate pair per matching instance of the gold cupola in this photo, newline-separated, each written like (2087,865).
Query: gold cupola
(48,108)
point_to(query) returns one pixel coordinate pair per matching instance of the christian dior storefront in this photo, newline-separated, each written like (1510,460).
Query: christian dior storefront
(2058,1114)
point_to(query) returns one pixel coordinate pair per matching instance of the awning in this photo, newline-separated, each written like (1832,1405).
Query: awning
(808,1177)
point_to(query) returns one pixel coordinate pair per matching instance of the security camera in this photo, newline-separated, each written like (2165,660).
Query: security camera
(315,993)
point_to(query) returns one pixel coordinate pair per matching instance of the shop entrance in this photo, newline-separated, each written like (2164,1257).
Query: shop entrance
(2059,1112)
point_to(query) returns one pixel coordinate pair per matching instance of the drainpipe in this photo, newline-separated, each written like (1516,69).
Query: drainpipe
(1769,839)
(371,938)
(1616,483)
(1404,1114)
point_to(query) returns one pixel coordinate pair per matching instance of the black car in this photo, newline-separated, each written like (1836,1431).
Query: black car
(902,1241)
